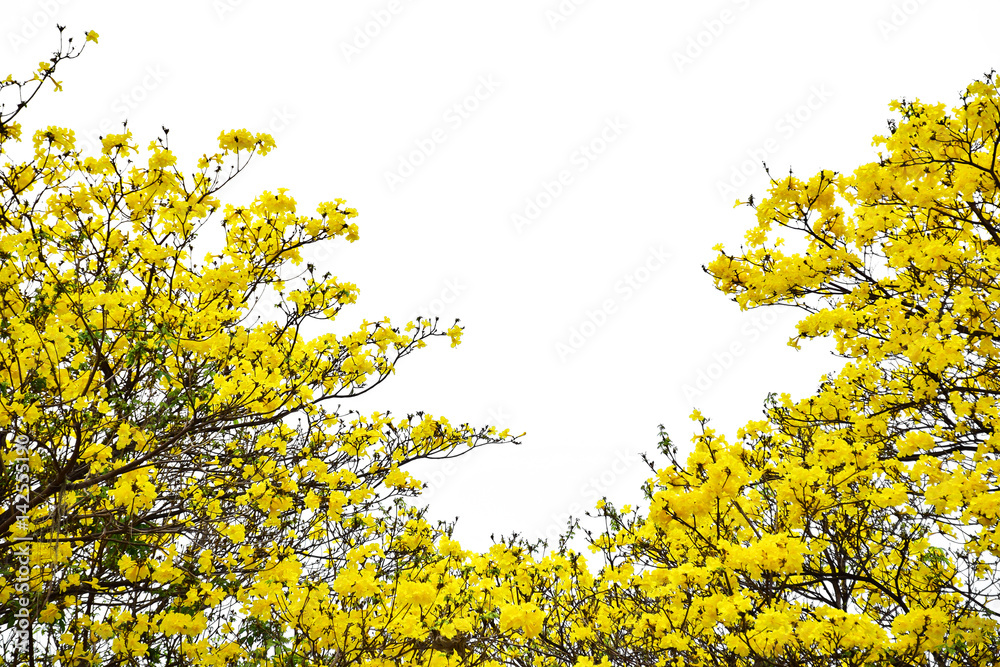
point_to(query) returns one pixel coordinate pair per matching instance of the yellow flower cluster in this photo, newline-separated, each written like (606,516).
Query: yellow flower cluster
(197,501)
(194,497)
(858,525)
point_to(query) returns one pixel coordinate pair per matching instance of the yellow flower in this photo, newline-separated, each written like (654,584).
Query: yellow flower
(92,36)
(236,532)
(527,617)
(265,142)
(176,623)
(235,140)
(455,334)
(205,561)
(50,614)
(396,478)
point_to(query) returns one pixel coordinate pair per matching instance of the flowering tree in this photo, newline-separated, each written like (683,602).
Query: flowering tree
(176,490)
(858,526)
(174,485)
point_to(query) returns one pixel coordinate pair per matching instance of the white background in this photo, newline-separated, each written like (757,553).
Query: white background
(693,91)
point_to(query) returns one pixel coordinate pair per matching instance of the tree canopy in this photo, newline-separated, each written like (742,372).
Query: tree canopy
(178,489)
(859,525)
